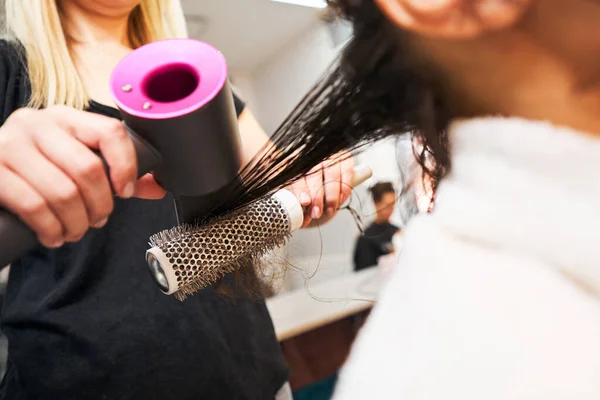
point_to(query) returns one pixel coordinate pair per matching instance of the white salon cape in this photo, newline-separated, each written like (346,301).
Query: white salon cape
(497,292)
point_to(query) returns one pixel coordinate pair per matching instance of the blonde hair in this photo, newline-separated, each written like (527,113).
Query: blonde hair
(37,26)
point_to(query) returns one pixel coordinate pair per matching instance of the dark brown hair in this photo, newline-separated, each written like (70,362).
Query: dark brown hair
(374,90)
(379,189)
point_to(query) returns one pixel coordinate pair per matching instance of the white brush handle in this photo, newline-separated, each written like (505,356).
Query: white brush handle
(361,174)
(294,209)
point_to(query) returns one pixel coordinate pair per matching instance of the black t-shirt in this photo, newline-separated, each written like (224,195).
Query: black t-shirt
(376,242)
(86,321)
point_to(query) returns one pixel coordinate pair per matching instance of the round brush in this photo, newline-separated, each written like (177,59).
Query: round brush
(188,258)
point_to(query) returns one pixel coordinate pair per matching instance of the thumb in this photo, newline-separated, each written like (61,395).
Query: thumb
(147,188)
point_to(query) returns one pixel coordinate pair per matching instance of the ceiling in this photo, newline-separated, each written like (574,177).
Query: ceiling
(247,32)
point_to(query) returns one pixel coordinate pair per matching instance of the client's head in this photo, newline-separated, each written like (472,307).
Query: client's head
(384,197)
(413,65)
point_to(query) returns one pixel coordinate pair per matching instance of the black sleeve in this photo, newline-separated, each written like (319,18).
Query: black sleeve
(14,86)
(239,105)
(365,255)
(5,72)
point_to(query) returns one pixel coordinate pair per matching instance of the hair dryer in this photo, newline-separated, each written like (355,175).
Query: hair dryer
(178,108)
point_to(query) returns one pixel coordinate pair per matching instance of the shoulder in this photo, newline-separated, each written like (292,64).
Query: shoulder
(371,229)
(14,83)
(238,101)
(12,57)
(362,240)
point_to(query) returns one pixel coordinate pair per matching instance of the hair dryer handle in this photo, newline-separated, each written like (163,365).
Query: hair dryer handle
(16,238)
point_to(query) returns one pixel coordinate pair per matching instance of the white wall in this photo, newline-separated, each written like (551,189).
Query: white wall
(272,91)
(281,82)
(244,87)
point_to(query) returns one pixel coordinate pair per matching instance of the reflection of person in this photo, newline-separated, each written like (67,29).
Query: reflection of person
(83,318)
(377,238)
(498,296)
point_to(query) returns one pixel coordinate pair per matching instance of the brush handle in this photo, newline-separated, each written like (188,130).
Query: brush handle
(361,174)
(17,239)
(294,209)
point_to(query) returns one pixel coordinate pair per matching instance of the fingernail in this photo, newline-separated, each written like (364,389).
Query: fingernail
(490,7)
(128,190)
(57,244)
(304,198)
(101,223)
(316,213)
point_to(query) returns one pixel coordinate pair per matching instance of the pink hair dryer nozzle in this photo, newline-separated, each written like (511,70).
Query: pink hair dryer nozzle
(175,95)
(178,107)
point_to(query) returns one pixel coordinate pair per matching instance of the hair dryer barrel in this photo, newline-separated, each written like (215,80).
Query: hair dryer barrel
(176,94)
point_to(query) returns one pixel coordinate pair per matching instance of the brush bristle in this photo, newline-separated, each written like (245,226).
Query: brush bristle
(163,238)
(200,255)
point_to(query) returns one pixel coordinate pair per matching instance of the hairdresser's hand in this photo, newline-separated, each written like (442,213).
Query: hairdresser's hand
(52,180)
(325,189)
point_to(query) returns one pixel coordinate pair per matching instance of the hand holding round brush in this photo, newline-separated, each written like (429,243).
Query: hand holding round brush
(325,189)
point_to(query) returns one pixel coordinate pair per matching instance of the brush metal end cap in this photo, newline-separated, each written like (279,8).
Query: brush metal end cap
(161,270)
(157,272)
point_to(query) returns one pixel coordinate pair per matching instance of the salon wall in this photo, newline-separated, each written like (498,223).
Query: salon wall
(280,82)
(272,90)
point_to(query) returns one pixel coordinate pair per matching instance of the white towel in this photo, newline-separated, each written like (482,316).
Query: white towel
(496,294)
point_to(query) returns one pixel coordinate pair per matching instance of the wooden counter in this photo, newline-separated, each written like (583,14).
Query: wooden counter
(316,305)
(316,326)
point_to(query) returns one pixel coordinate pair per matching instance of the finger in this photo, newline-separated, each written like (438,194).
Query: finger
(84,168)
(347,168)
(332,179)
(110,137)
(31,208)
(315,183)
(302,191)
(58,190)
(147,188)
